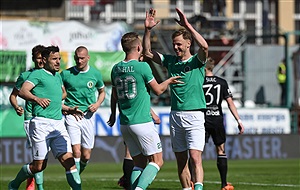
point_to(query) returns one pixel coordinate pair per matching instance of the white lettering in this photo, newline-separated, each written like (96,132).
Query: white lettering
(6,146)
(17,152)
(14,151)
(266,147)
(247,145)
(212,113)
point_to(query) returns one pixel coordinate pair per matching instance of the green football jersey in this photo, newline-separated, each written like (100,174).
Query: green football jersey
(28,105)
(130,80)
(189,95)
(47,85)
(81,86)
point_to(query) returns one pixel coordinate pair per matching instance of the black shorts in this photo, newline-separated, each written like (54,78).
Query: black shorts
(214,127)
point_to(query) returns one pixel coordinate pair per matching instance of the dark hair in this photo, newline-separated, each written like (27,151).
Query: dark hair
(129,41)
(48,50)
(185,34)
(38,49)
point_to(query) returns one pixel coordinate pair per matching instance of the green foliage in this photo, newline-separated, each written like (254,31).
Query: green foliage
(243,174)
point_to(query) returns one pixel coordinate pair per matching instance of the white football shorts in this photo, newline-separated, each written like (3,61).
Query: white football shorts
(187,130)
(46,134)
(81,131)
(141,138)
(26,129)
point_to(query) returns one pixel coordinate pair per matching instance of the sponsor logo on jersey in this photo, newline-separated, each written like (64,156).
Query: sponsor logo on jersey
(187,69)
(213,113)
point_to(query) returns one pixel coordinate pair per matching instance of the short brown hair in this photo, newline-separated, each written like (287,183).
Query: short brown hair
(185,34)
(210,64)
(129,41)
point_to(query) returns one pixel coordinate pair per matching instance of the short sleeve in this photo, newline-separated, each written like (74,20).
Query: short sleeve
(146,72)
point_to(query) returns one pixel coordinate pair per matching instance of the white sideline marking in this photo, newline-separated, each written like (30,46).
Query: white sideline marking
(243,183)
(172,180)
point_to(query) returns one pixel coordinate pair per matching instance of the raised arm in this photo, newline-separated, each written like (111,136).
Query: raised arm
(201,42)
(149,24)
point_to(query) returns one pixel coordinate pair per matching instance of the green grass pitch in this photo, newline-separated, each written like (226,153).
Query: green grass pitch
(243,174)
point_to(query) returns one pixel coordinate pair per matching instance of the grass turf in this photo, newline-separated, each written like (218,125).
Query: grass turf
(275,174)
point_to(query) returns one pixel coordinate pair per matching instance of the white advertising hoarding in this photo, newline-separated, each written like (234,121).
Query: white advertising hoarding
(256,121)
(67,35)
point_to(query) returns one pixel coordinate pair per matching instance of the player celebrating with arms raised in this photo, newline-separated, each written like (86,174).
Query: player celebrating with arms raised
(187,99)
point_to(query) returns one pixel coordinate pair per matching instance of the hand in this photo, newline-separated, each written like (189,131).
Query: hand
(78,114)
(173,80)
(112,120)
(241,128)
(93,107)
(149,21)
(182,18)
(19,110)
(43,102)
(156,119)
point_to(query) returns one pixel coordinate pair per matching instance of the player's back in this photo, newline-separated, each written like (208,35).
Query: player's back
(130,80)
(216,90)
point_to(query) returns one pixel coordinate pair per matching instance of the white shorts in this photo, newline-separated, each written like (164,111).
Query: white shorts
(81,131)
(187,130)
(26,129)
(141,138)
(48,133)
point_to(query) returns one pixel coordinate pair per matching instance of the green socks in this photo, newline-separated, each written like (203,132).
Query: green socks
(198,186)
(73,179)
(77,163)
(23,174)
(134,179)
(39,179)
(148,175)
(82,166)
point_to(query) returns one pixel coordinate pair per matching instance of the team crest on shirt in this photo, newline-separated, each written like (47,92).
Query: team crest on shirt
(187,69)
(90,84)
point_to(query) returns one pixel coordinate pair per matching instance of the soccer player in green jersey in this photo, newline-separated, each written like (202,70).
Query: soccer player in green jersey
(44,88)
(27,110)
(130,79)
(81,83)
(187,100)
(128,164)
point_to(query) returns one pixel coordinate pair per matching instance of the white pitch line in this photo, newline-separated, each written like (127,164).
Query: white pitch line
(243,183)
(172,180)
(217,182)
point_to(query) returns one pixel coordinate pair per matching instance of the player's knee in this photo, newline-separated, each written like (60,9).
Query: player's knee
(67,161)
(85,158)
(35,168)
(160,163)
(195,161)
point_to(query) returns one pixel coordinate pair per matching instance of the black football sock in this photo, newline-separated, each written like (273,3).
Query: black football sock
(127,169)
(222,167)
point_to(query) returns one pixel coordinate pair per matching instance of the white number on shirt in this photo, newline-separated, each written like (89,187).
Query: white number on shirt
(209,94)
(126,87)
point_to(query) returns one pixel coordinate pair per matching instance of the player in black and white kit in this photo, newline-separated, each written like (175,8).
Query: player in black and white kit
(216,90)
